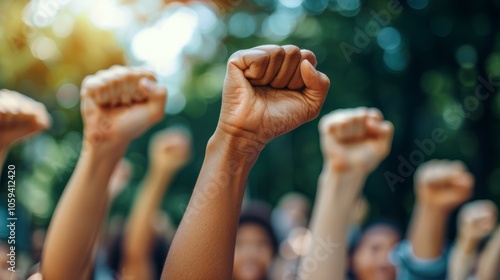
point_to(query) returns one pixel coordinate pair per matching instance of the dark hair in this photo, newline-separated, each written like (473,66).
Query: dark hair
(259,213)
(158,255)
(357,234)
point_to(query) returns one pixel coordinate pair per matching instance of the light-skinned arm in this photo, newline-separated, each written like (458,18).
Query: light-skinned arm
(476,220)
(353,142)
(488,268)
(440,187)
(268,91)
(170,150)
(117,106)
(20,117)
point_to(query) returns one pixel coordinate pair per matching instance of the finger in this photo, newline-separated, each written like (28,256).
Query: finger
(316,83)
(111,78)
(297,81)
(288,67)
(375,113)
(243,66)
(137,74)
(276,57)
(357,130)
(379,128)
(157,97)
(465,181)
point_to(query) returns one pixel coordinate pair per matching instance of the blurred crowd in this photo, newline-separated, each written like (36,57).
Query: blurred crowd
(268,91)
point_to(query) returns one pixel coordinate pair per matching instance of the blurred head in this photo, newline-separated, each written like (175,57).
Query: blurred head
(292,212)
(255,244)
(37,241)
(157,257)
(370,254)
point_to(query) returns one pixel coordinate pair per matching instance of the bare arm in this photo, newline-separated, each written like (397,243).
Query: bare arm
(353,141)
(79,216)
(256,107)
(440,187)
(476,220)
(169,151)
(490,258)
(112,118)
(20,117)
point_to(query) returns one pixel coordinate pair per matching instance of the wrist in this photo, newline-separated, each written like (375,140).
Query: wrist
(466,244)
(431,213)
(102,153)
(432,208)
(340,168)
(343,187)
(160,174)
(236,146)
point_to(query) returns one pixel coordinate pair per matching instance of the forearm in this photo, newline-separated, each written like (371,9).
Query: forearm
(490,259)
(140,234)
(203,247)
(78,217)
(462,259)
(428,231)
(330,222)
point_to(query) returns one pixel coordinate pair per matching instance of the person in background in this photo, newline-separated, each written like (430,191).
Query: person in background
(289,219)
(353,143)
(291,212)
(440,187)
(268,91)
(117,105)
(170,150)
(370,251)
(256,243)
(20,117)
(476,220)
(488,268)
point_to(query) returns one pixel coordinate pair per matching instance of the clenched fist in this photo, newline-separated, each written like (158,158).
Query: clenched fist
(270,90)
(477,219)
(20,116)
(119,104)
(355,139)
(170,150)
(443,184)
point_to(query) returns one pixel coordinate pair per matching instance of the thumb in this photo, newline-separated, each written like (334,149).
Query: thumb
(317,83)
(151,88)
(245,65)
(156,98)
(379,128)
(44,120)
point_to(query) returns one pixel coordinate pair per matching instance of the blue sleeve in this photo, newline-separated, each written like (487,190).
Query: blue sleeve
(410,267)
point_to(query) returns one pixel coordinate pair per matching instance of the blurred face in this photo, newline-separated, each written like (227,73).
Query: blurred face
(253,254)
(370,261)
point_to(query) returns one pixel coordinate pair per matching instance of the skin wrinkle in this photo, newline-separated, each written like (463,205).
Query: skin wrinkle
(248,120)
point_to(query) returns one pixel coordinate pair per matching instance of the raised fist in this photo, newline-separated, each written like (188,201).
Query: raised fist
(20,116)
(443,184)
(270,90)
(170,150)
(355,139)
(119,104)
(477,219)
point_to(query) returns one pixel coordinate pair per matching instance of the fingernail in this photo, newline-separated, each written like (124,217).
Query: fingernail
(312,68)
(148,84)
